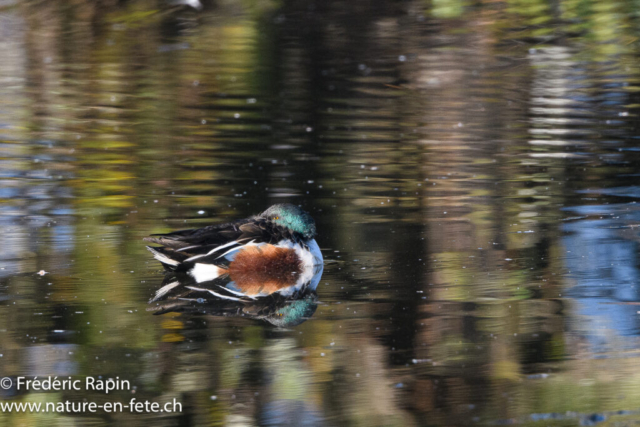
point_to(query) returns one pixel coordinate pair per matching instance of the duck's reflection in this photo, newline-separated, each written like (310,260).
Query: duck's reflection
(274,297)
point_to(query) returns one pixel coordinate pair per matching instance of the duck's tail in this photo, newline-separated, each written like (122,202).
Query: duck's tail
(173,260)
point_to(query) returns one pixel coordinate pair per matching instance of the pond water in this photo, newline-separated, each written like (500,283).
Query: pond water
(472,168)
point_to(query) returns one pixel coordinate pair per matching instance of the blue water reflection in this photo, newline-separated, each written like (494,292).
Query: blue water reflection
(602,264)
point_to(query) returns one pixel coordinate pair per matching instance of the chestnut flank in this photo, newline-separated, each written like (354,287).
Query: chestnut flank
(265,269)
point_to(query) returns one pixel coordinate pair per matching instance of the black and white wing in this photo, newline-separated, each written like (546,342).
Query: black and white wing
(210,245)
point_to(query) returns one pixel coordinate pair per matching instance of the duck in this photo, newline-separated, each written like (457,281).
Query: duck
(271,252)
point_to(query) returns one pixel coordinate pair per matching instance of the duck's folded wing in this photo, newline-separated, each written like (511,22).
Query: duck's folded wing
(209,245)
(202,240)
(213,235)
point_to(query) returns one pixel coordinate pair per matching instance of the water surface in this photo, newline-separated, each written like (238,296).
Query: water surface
(472,168)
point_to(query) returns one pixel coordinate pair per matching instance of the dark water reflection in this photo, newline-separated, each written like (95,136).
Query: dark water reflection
(472,167)
(273,299)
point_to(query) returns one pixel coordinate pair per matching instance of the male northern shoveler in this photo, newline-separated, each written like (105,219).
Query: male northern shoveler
(260,254)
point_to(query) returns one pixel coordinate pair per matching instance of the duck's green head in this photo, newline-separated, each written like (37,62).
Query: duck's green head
(293,218)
